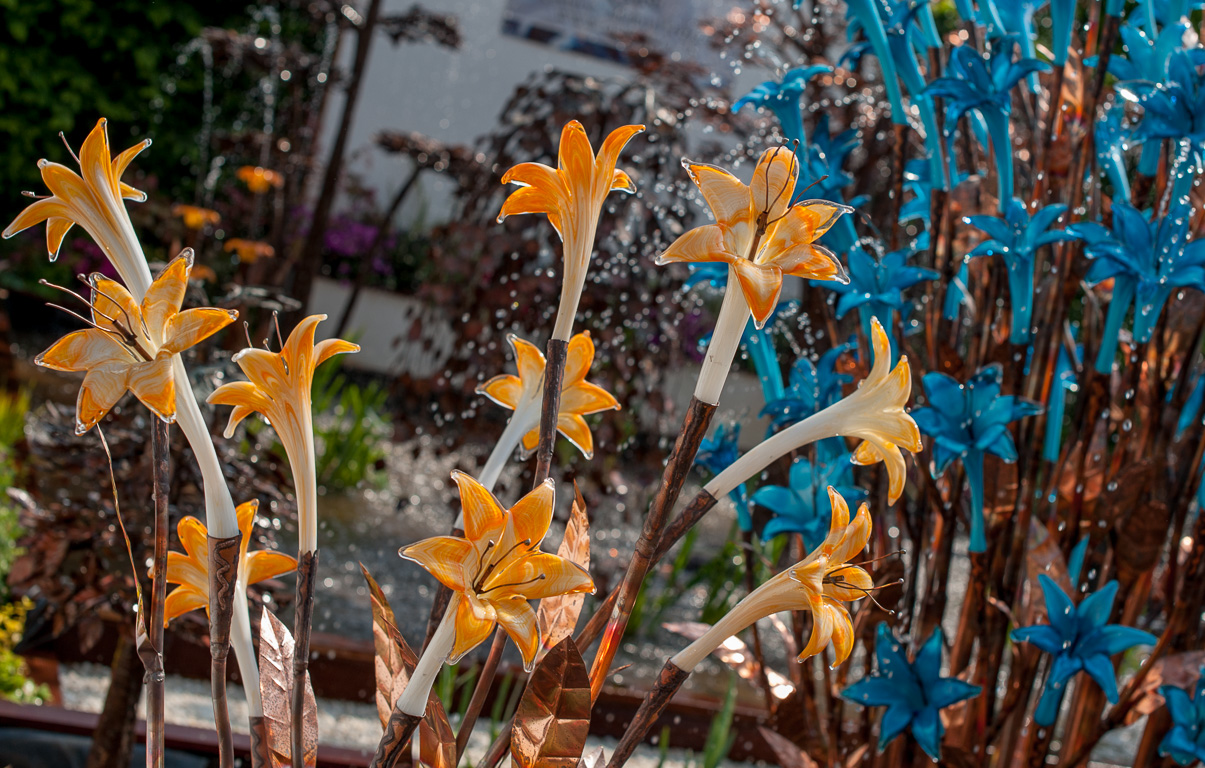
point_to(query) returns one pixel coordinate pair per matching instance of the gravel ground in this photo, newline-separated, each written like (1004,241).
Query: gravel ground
(346,724)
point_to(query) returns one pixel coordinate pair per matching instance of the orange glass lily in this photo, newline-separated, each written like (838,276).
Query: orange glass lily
(279,388)
(130,346)
(195,217)
(524,393)
(822,583)
(93,199)
(249,251)
(874,413)
(572,196)
(190,569)
(260,180)
(498,567)
(758,233)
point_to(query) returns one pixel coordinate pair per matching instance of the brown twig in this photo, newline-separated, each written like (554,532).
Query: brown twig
(550,407)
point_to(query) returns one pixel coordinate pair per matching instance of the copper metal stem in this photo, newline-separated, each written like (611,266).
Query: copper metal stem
(307,565)
(223,576)
(698,418)
(398,731)
(668,682)
(554,377)
(152,650)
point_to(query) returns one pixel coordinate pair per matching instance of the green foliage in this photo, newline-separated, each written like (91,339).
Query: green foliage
(14,686)
(720,736)
(65,63)
(12,429)
(350,429)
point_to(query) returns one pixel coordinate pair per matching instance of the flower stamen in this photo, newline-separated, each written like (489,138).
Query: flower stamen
(532,580)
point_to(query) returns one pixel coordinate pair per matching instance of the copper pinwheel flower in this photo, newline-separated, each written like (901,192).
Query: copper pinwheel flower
(195,217)
(821,583)
(498,567)
(190,569)
(130,346)
(92,199)
(572,196)
(524,393)
(279,388)
(260,180)
(758,233)
(249,251)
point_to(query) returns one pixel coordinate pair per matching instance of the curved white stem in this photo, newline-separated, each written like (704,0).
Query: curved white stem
(220,517)
(729,326)
(764,601)
(815,427)
(413,700)
(244,651)
(525,418)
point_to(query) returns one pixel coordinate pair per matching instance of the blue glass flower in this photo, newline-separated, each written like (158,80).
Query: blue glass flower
(1146,57)
(804,507)
(782,98)
(1015,17)
(1065,380)
(902,23)
(914,693)
(966,422)
(1016,237)
(866,14)
(1174,107)
(1185,742)
(1078,638)
(876,287)
(1110,144)
(1147,259)
(984,85)
(812,388)
(717,453)
(822,175)
(1062,18)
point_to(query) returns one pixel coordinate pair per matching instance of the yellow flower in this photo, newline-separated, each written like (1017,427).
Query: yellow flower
(279,388)
(249,251)
(196,217)
(572,195)
(130,346)
(498,567)
(260,180)
(94,201)
(821,583)
(191,569)
(758,232)
(877,414)
(524,393)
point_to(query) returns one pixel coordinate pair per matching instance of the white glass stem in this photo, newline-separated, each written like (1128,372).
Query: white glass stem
(413,700)
(729,326)
(525,418)
(815,427)
(244,650)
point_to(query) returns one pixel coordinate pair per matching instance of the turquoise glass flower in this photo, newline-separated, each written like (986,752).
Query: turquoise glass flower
(1185,742)
(1065,380)
(1015,17)
(717,453)
(866,14)
(974,82)
(1080,639)
(1173,107)
(1110,144)
(876,287)
(812,388)
(1016,237)
(782,98)
(966,422)
(1147,259)
(914,693)
(803,507)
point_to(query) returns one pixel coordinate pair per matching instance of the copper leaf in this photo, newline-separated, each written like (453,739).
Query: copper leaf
(557,615)
(789,755)
(276,687)
(553,717)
